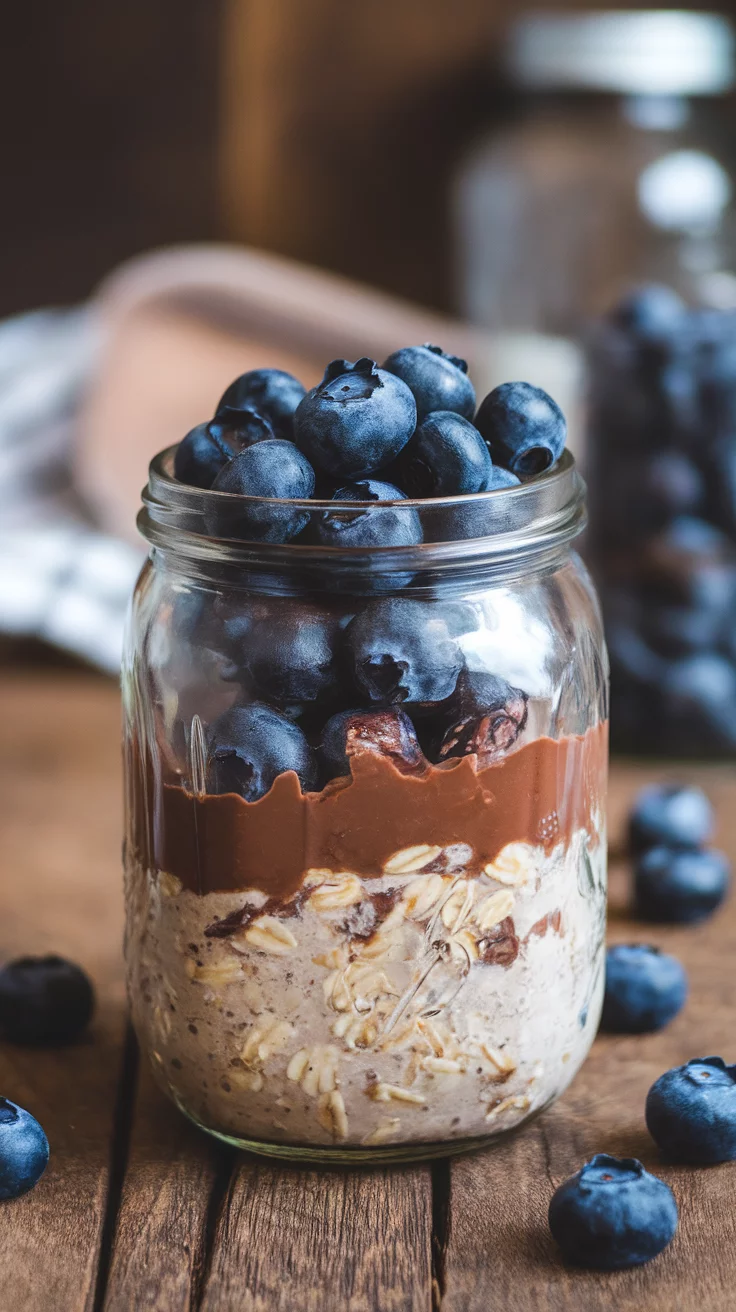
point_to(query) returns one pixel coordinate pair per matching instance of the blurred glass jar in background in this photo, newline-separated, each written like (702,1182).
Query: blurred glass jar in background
(662,541)
(617,168)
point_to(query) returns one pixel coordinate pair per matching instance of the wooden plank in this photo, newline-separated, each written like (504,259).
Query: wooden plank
(498,1253)
(291,1239)
(343,124)
(60,857)
(160,1241)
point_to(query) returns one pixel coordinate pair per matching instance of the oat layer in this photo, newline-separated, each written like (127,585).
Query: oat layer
(424,1006)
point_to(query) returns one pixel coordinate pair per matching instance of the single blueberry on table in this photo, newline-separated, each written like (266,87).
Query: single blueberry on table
(524,428)
(248,746)
(273,469)
(691,1112)
(645,989)
(612,1214)
(371,525)
(24,1150)
(44,1000)
(675,886)
(388,732)
(437,380)
(270,392)
(356,421)
(677,815)
(445,457)
(285,650)
(402,651)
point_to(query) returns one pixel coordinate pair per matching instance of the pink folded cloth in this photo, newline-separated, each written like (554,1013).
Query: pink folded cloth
(180,324)
(88,396)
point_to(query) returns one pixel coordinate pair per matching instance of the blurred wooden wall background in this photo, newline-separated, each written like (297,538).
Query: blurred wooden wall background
(319,129)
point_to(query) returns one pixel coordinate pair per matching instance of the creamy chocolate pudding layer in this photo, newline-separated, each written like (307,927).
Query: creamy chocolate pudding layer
(542,794)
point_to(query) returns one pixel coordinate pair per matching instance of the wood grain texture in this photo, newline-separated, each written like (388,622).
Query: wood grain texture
(171,1171)
(290,1239)
(59,855)
(498,1252)
(342,125)
(185,1233)
(113,151)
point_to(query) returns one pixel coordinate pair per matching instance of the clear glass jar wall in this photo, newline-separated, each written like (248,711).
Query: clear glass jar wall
(385,939)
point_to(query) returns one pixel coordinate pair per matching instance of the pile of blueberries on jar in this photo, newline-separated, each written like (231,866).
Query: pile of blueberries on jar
(322,680)
(367,435)
(662,473)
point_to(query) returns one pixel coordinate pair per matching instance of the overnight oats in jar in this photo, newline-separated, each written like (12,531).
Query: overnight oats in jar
(365,696)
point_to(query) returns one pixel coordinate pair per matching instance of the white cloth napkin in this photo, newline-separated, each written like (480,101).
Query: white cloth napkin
(61,579)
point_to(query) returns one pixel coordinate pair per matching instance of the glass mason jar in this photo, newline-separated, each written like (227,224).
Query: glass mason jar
(383,939)
(616,166)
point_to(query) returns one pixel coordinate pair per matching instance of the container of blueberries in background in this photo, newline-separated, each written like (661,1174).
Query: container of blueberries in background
(365,694)
(662,474)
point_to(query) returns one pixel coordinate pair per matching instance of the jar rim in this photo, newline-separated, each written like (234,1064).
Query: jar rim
(542,514)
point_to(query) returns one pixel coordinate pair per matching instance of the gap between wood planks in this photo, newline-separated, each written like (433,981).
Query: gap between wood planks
(224,1184)
(122,1127)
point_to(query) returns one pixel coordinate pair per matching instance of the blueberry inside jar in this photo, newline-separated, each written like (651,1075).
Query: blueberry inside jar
(366,747)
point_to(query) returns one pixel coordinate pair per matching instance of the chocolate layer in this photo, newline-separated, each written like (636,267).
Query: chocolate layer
(540,794)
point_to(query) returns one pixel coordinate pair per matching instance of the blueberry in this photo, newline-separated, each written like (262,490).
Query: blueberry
(357,419)
(677,631)
(687,584)
(650,313)
(474,518)
(676,815)
(445,457)
(286,650)
(691,1112)
(437,380)
(270,392)
(403,651)
(689,534)
(248,746)
(24,1150)
(238,429)
(501,479)
(642,494)
(274,469)
(199,457)
(524,428)
(679,887)
(44,1000)
(379,526)
(699,700)
(488,715)
(388,733)
(204,451)
(645,989)
(612,1214)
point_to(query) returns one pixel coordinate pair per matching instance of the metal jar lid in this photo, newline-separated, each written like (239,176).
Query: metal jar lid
(652,52)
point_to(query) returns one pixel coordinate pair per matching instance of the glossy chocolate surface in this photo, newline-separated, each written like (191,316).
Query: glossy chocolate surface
(541,793)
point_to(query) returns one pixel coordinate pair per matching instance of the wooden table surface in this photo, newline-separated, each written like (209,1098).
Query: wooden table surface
(138,1210)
